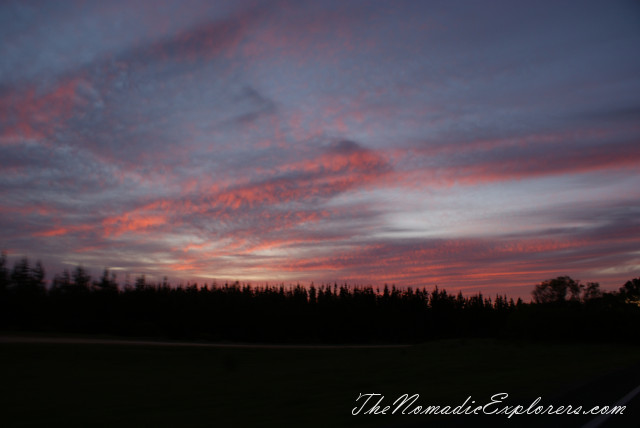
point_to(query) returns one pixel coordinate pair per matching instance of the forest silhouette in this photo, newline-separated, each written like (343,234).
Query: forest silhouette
(74,302)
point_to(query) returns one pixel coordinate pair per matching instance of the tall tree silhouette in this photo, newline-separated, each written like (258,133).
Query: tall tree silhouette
(4,273)
(630,291)
(555,290)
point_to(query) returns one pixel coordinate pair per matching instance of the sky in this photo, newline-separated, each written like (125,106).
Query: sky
(477,146)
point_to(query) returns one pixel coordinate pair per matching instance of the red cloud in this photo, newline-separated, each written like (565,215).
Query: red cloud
(64,230)
(34,114)
(133,221)
(342,167)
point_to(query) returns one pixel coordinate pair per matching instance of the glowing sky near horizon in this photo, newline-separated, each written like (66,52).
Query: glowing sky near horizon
(480,146)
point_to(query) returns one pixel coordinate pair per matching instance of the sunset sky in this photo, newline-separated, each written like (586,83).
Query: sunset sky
(480,146)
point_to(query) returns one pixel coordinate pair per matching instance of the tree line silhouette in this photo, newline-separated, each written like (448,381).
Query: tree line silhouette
(74,302)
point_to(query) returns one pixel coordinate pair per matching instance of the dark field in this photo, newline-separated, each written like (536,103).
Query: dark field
(87,385)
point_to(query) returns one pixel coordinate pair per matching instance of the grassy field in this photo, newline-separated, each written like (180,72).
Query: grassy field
(77,385)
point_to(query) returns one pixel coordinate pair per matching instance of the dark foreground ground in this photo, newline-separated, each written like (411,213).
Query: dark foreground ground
(145,385)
